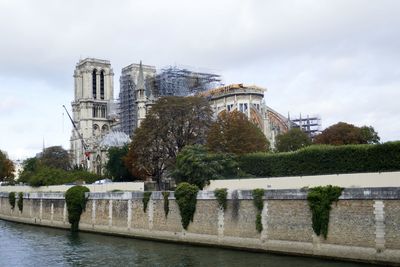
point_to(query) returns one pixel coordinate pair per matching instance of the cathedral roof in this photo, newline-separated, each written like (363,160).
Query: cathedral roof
(115,139)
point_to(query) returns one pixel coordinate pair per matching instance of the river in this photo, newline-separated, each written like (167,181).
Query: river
(24,245)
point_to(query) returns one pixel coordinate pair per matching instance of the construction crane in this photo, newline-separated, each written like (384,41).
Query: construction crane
(84,145)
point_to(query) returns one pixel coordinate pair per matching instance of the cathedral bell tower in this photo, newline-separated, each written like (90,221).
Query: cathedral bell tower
(94,90)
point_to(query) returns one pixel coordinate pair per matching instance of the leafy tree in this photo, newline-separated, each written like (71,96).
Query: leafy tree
(6,168)
(56,157)
(29,167)
(233,133)
(172,123)
(292,140)
(345,134)
(115,166)
(195,165)
(369,135)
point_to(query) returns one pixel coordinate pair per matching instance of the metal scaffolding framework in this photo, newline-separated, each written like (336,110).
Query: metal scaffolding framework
(182,82)
(170,81)
(309,125)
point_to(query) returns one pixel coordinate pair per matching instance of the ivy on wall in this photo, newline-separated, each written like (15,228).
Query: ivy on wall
(166,203)
(259,204)
(76,204)
(20,202)
(186,198)
(11,199)
(320,199)
(145,200)
(221,194)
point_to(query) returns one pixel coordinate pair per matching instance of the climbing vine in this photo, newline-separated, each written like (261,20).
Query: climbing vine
(186,198)
(20,202)
(320,199)
(11,199)
(76,204)
(166,203)
(146,198)
(259,204)
(235,204)
(221,194)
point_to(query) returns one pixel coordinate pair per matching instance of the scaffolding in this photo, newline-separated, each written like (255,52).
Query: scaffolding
(170,81)
(174,81)
(309,125)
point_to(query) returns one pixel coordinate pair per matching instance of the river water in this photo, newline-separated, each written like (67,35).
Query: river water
(24,245)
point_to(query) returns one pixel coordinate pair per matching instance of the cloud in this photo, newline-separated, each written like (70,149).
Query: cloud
(338,58)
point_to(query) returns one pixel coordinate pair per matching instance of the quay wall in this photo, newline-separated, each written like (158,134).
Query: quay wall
(364,224)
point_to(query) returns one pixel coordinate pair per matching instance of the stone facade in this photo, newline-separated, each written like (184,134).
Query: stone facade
(355,227)
(94,93)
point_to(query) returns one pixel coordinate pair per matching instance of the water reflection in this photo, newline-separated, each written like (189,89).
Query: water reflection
(23,245)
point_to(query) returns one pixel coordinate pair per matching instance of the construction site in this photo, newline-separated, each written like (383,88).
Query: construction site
(311,125)
(169,81)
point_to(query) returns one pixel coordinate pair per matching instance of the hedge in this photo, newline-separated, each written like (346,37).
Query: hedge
(324,159)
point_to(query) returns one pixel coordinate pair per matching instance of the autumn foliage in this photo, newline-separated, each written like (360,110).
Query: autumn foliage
(171,124)
(233,133)
(346,134)
(6,168)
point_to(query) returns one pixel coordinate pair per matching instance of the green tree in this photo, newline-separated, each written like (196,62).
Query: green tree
(345,134)
(29,167)
(233,133)
(369,135)
(115,166)
(292,140)
(56,157)
(171,124)
(195,165)
(6,168)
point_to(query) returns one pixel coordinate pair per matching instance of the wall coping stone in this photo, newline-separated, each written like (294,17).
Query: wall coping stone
(372,193)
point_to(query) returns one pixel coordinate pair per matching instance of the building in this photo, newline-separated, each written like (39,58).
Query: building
(97,126)
(128,97)
(249,99)
(93,96)
(141,85)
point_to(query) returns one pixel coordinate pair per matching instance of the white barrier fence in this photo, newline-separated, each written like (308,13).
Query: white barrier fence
(354,180)
(107,187)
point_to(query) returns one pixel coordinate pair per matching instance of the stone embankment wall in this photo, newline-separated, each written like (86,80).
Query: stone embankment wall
(364,224)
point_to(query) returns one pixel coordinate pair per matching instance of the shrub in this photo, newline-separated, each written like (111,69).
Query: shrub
(76,204)
(258,195)
(20,202)
(324,159)
(145,200)
(11,199)
(320,199)
(186,198)
(221,194)
(196,165)
(166,203)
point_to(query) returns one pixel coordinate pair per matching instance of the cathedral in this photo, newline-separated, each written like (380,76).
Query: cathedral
(92,115)
(98,126)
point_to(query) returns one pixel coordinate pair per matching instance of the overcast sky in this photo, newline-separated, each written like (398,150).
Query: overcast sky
(337,59)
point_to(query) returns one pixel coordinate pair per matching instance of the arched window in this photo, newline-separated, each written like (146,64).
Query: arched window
(96,130)
(102,84)
(94,83)
(104,129)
